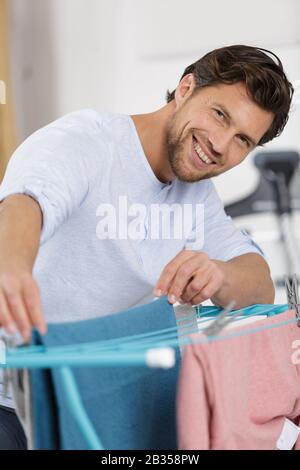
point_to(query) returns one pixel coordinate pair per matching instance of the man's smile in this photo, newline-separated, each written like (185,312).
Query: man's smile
(199,156)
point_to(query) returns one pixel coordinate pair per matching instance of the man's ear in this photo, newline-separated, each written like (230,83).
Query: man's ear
(184,89)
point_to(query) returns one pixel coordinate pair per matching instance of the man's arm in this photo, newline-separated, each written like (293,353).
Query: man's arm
(20,228)
(247,280)
(220,262)
(192,277)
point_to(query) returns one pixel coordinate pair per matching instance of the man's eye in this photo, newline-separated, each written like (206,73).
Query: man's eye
(219,113)
(244,140)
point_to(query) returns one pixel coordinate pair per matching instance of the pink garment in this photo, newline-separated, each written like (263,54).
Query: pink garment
(236,393)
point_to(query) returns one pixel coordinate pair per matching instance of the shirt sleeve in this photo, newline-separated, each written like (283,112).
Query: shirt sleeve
(55,166)
(216,234)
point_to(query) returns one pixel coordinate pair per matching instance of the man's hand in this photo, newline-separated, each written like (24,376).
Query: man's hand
(20,305)
(191,277)
(20,227)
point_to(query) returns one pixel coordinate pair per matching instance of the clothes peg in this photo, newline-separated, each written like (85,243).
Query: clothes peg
(222,320)
(185,313)
(292,293)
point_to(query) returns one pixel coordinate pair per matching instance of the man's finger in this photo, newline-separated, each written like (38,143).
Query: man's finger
(18,311)
(6,320)
(196,284)
(207,291)
(199,263)
(32,302)
(169,272)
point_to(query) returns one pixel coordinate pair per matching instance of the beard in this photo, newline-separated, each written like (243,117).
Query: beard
(177,152)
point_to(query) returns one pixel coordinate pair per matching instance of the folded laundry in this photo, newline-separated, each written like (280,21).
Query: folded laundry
(237,394)
(129,407)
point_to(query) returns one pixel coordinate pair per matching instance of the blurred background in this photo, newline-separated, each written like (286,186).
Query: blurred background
(57,56)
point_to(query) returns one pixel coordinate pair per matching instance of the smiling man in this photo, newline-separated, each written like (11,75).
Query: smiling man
(76,231)
(222,125)
(226,104)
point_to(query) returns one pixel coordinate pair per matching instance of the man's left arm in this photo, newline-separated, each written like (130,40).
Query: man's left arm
(247,280)
(219,262)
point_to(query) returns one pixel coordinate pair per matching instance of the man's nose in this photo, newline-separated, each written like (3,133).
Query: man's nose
(220,141)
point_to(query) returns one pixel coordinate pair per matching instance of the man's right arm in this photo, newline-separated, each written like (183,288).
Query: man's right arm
(20,229)
(46,179)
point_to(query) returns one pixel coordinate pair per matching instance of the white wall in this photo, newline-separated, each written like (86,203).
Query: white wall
(123,54)
(32,60)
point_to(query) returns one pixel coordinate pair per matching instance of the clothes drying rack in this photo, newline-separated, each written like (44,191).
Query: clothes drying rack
(155,349)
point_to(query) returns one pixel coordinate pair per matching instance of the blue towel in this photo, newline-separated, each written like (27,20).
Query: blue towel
(131,407)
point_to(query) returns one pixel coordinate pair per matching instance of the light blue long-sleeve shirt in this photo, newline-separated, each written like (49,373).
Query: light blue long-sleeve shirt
(81,169)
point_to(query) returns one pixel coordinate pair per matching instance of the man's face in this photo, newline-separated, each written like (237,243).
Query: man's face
(213,130)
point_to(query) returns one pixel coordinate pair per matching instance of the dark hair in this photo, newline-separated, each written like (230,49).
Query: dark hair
(265,80)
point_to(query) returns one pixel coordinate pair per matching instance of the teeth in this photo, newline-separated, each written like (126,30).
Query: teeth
(201,154)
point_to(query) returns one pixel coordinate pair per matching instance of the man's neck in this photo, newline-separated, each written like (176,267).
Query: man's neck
(152,132)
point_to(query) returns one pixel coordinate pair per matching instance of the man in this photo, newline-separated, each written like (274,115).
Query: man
(66,177)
